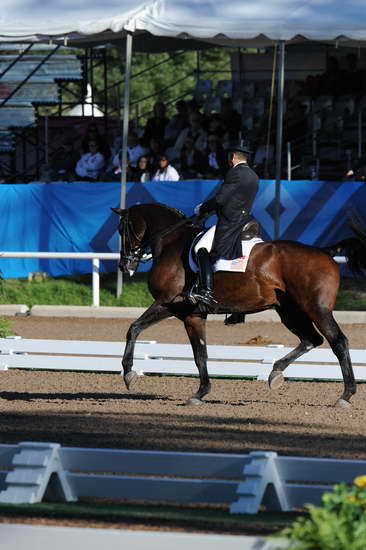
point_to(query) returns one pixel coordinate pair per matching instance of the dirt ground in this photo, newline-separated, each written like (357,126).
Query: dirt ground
(96,410)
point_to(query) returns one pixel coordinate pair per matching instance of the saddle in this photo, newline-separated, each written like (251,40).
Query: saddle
(250,230)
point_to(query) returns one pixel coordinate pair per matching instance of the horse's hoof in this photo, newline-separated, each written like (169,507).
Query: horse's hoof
(343,404)
(275,380)
(193,401)
(130,379)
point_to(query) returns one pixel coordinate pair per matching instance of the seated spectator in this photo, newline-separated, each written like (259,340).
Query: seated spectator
(90,165)
(195,131)
(92,134)
(141,172)
(216,126)
(358,172)
(63,161)
(191,162)
(165,172)
(216,164)
(156,149)
(230,119)
(177,123)
(134,148)
(155,126)
(114,170)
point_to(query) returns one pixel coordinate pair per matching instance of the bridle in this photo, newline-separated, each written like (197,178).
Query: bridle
(141,252)
(127,232)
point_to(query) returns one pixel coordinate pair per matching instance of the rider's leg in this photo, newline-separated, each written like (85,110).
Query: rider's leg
(205,290)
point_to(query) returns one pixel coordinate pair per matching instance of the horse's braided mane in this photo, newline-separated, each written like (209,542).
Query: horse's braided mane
(170,208)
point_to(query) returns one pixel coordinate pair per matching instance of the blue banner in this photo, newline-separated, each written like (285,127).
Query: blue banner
(77,217)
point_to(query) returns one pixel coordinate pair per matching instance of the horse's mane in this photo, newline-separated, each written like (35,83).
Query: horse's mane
(170,208)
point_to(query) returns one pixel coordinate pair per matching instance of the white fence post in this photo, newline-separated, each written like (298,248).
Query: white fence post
(96,281)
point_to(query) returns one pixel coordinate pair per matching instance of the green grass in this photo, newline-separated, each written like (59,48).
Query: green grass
(77,290)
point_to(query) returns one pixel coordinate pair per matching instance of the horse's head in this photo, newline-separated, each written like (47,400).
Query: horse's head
(131,228)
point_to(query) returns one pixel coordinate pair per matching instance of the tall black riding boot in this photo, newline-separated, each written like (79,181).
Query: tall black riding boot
(205,293)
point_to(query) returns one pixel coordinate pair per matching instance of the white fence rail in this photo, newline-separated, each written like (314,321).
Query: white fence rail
(40,537)
(31,472)
(95,258)
(150,357)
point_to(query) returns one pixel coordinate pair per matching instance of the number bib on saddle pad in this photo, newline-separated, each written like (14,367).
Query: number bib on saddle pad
(205,240)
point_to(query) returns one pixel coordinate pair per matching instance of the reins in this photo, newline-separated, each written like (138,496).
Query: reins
(139,250)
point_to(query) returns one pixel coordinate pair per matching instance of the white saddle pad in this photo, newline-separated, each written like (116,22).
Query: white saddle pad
(238,264)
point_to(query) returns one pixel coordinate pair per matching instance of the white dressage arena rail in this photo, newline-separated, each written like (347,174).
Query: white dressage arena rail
(153,358)
(31,472)
(95,257)
(41,537)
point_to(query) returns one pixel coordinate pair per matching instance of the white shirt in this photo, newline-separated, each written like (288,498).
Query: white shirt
(169,174)
(90,165)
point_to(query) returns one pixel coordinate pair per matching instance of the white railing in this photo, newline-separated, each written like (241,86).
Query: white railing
(95,258)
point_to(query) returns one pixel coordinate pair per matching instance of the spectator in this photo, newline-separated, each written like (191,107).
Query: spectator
(358,172)
(195,131)
(134,148)
(90,164)
(177,123)
(191,163)
(215,125)
(93,134)
(215,158)
(156,149)
(165,172)
(63,161)
(155,126)
(141,172)
(230,119)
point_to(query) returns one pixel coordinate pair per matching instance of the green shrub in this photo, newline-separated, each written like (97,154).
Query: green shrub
(5,329)
(338,524)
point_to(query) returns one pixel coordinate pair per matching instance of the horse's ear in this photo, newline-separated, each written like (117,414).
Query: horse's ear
(119,211)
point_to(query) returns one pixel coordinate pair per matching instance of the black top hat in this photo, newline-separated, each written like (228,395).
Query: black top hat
(242,147)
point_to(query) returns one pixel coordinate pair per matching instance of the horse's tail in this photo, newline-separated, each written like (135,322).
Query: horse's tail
(354,248)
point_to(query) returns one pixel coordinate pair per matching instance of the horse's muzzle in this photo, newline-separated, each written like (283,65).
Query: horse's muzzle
(128,265)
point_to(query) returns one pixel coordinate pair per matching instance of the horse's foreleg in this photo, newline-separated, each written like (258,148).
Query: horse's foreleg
(155,313)
(196,330)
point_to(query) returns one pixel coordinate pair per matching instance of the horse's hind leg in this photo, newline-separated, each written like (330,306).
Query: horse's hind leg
(196,330)
(300,324)
(155,313)
(328,326)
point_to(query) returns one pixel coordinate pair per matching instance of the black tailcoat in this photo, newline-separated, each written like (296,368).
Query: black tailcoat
(232,203)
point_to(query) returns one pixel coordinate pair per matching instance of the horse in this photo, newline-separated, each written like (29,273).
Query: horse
(299,281)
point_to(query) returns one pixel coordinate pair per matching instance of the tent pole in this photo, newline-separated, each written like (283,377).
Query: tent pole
(279,135)
(126,117)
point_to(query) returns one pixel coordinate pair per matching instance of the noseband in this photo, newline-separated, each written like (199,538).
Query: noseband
(127,232)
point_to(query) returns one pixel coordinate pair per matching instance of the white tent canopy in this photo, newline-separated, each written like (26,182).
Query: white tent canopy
(237,22)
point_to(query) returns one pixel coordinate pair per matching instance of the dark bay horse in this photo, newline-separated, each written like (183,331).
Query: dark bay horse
(301,282)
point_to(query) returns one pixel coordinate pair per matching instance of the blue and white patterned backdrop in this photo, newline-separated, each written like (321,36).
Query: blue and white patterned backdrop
(77,217)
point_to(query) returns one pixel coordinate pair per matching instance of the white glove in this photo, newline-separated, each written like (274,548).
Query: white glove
(197,209)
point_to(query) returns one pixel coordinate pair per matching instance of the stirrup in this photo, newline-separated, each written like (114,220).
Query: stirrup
(204,296)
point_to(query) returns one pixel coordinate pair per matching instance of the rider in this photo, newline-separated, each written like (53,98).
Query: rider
(232,203)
